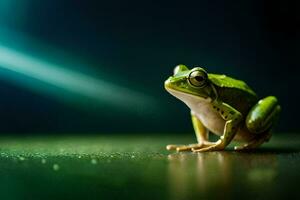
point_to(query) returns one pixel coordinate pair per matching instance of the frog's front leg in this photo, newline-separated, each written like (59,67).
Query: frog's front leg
(201,134)
(233,119)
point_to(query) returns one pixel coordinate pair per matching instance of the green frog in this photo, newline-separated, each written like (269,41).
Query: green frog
(224,106)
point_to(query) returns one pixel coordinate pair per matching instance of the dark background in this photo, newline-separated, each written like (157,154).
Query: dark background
(136,44)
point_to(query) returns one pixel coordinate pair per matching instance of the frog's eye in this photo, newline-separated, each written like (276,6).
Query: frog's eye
(198,78)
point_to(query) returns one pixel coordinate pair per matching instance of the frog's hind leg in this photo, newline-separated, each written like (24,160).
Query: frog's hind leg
(263,115)
(255,142)
(201,134)
(260,121)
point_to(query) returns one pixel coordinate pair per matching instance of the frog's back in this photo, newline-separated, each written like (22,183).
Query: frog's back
(234,92)
(224,81)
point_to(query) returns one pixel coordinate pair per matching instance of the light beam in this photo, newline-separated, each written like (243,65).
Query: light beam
(81,85)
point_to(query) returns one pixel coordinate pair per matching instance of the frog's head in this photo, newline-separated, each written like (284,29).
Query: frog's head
(188,85)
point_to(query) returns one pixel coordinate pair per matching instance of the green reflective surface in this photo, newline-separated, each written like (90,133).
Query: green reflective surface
(139,167)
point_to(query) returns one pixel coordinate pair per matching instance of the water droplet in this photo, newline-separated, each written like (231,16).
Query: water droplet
(43,161)
(55,167)
(132,156)
(94,161)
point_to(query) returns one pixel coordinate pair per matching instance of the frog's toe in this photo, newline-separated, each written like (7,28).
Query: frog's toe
(189,147)
(184,147)
(249,146)
(171,147)
(241,148)
(217,146)
(211,148)
(246,147)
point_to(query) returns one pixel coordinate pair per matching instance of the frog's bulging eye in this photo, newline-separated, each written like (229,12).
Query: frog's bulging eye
(198,78)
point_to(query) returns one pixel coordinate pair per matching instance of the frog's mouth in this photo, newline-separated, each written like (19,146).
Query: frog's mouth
(188,98)
(185,96)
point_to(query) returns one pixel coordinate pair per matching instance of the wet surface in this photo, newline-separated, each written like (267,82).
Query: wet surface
(139,167)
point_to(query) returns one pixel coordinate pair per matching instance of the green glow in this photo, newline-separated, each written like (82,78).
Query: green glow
(83,88)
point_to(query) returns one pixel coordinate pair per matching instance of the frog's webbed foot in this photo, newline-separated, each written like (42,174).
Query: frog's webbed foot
(189,147)
(213,146)
(255,143)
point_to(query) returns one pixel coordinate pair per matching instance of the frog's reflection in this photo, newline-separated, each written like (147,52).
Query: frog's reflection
(218,174)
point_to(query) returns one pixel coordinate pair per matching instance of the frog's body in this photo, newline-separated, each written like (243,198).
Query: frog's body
(224,106)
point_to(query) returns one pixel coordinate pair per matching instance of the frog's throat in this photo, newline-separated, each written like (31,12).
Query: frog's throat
(189,99)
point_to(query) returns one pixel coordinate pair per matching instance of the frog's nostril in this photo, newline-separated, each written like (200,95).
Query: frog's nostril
(167,82)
